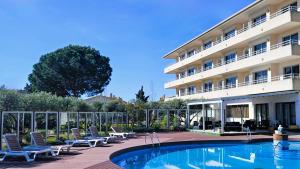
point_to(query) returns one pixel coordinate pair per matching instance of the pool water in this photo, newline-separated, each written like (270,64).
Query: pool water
(210,156)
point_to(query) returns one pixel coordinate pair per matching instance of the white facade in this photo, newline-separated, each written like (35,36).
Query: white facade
(249,63)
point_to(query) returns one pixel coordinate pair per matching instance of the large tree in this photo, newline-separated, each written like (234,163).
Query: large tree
(71,71)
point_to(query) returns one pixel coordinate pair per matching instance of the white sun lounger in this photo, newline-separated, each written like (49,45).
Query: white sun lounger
(119,133)
(94,134)
(38,140)
(15,149)
(80,140)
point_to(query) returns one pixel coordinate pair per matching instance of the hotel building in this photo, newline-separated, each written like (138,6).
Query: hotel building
(248,64)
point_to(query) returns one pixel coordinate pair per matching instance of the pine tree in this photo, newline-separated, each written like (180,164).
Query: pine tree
(140,96)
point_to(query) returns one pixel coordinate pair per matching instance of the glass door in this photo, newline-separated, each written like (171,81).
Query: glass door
(262,115)
(261,76)
(286,114)
(287,40)
(260,48)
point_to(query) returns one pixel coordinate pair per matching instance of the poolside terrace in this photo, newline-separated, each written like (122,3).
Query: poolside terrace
(99,157)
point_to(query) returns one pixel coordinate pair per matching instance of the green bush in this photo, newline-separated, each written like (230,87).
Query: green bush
(12,100)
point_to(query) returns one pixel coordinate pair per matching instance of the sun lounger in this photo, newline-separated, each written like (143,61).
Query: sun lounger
(94,134)
(38,140)
(15,149)
(78,139)
(119,133)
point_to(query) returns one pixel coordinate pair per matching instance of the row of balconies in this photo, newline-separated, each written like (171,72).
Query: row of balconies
(272,22)
(281,83)
(272,54)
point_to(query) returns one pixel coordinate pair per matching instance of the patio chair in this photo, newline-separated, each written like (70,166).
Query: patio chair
(29,152)
(94,134)
(38,140)
(119,133)
(2,155)
(78,139)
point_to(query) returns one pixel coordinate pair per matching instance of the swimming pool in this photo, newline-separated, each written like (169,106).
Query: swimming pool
(207,156)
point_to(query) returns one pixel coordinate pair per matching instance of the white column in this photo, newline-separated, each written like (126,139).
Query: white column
(251,78)
(268,14)
(269,75)
(268,45)
(222,116)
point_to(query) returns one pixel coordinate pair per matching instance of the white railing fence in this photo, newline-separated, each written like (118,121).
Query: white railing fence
(247,27)
(245,56)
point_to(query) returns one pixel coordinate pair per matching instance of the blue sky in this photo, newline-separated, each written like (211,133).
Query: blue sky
(135,34)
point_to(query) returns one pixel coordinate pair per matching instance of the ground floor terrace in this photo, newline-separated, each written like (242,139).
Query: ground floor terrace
(99,157)
(264,112)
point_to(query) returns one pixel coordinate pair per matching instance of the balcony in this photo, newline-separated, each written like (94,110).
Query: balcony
(281,51)
(274,84)
(281,20)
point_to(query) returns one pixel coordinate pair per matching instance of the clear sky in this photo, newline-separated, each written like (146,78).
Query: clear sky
(135,34)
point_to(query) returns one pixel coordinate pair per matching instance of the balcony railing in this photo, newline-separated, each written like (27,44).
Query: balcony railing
(250,26)
(249,83)
(283,10)
(245,56)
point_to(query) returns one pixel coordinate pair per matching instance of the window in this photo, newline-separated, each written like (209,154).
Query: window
(182,75)
(229,34)
(287,8)
(262,115)
(191,90)
(207,45)
(191,71)
(237,111)
(247,80)
(231,82)
(260,48)
(182,57)
(246,53)
(287,40)
(220,85)
(207,87)
(291,71)
(207,65)
(286,114)
(261,76)
(182,92)
(230,58)
(259,20)
(190,53)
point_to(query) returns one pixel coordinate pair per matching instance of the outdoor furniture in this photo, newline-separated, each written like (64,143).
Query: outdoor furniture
(195,125)
(79,140)
(94,134)
(208,125)
(250,123)
(29,152)
(233,126)
(264,124)
(119,133)
(38,140)
(2,155)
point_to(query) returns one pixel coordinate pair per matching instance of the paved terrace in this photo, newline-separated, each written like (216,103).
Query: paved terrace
(98,158)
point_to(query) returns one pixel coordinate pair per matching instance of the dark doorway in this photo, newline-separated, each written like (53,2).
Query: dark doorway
(262,115)
(286,114)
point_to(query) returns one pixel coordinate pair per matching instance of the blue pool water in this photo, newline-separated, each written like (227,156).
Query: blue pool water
(212,156)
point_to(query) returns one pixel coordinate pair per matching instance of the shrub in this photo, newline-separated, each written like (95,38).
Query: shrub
(10,100)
